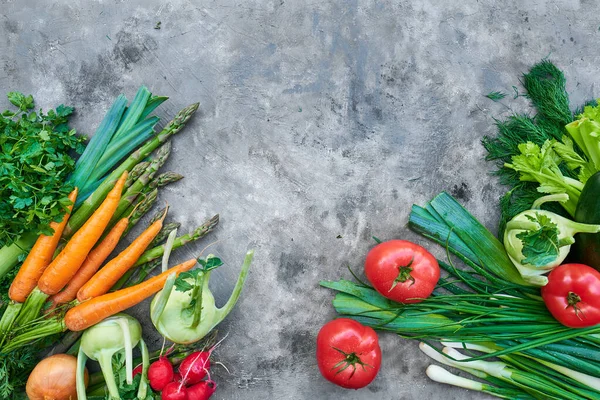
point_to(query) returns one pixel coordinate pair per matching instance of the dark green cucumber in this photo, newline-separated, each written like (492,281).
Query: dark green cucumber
(586,249)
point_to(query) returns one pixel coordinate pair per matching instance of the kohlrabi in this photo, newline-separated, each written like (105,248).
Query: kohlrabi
(118,334)
(538,241)
(185,312)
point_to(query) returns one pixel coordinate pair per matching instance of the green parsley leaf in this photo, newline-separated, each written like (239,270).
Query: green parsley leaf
(35,161)
(20,100)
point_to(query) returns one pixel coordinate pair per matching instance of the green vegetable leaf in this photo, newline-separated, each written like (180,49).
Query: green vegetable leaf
(573,160)
(127,391)
(591,112)
(185,280)
(20,100)
(211,262)
(20,203)
(63,111)
(44,135)
(540,246)
(35,161)
(182,284)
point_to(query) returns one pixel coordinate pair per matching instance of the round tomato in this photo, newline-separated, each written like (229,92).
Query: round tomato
(572,295)
(348,353)
(402,271)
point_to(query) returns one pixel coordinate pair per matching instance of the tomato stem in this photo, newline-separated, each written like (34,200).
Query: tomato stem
(573,299)
(404,274)
(350,360)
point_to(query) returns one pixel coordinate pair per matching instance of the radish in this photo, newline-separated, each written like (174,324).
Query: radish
(160,373)
(177,377)
(138,369)
(202,390)
(195,367)
(174,391)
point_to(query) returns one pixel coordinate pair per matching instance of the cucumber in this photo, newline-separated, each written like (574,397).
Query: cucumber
(586,249)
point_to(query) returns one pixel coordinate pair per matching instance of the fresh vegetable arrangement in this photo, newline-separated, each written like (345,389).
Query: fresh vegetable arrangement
(521,314)
(63,292)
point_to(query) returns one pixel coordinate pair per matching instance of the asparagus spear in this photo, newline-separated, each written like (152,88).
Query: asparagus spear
(164,233)
(136,172)
(157,215)
(93,201)
(159,181)
(141,208)
(164,179)
(133,192)
(198,233)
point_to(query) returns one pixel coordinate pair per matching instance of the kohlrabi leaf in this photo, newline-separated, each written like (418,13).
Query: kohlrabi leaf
(210,263)
(185,280)
(540,246)
(182,284)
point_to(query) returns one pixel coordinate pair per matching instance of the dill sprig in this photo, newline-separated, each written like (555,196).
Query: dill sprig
(545,87)
(14,371)
(495,96)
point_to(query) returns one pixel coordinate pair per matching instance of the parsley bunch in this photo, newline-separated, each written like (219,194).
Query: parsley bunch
(35,160)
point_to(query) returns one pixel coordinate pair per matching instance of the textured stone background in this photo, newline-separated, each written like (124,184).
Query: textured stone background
(318,119)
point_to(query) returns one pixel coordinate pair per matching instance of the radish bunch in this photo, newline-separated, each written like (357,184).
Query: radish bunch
(188,383)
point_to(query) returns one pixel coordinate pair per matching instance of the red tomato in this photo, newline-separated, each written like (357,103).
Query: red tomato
(572,295)
(348,353)
(402,271)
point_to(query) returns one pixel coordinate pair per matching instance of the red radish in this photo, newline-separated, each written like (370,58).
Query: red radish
(138,370)
(160,373)
(195,367)
(177,377)
(202,390)
(174,391)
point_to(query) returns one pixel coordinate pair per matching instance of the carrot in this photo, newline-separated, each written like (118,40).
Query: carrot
(91,264)
(66,264)
(38,258)
(95,310)
(104,279)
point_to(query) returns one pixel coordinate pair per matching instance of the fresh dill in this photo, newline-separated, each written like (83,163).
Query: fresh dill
(495,96)
(545,87)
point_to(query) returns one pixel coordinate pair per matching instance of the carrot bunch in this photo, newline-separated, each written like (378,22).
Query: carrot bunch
(75,276)
(75,273)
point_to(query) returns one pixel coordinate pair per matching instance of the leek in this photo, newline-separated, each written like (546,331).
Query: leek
(98,143)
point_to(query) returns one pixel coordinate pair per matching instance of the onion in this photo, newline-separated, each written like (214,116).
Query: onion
(53,378)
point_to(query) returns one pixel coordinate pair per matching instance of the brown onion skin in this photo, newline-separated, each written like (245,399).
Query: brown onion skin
(53,378)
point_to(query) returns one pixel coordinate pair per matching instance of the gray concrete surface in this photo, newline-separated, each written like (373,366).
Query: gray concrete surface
(319,119)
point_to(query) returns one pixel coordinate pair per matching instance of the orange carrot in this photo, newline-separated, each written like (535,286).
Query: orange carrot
(38,258)
(104,279)
(91,264)
(95,310)
(66,264)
